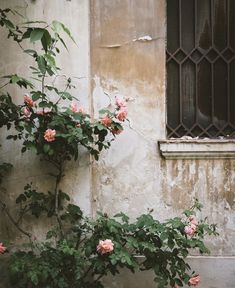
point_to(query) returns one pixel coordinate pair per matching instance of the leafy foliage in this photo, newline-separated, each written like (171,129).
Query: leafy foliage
(74,261)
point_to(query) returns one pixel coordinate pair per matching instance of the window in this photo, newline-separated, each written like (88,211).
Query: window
(201,68)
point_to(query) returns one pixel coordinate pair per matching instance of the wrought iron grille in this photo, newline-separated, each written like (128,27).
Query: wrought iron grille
(201,68)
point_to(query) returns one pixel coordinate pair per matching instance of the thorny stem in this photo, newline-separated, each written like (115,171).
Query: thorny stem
(16,224)
(58,179)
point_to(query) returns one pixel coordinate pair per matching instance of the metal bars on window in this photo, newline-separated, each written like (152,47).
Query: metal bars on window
(200,68)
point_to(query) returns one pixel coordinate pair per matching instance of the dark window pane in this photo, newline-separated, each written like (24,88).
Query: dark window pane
(188,93)
(220,93)
(232,23)
(204,93)
(187,22)
(173,100)
(173,26)
(220,24)
(203,25)
(201,68)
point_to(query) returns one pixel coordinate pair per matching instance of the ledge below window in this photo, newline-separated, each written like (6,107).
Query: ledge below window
(197,149)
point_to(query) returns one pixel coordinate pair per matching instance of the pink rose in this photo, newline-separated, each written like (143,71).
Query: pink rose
(74,107)
(193,226)
(194,281)
(121,103)
(49,135)
(2,248)
(105,246)
(28,101)
(121,114)
(26,112)
(106,121)
(193,220)
(190,231)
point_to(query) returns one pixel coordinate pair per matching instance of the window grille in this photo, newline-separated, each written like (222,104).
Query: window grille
(200,68)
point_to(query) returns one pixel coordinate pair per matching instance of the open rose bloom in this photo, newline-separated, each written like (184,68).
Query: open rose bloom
(2,248)
(106,121)
(194,281)
(49,135)
(28,101)
(105,246)
(121,114)
(188,230)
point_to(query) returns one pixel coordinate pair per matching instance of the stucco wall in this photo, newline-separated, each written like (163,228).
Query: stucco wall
(131,176)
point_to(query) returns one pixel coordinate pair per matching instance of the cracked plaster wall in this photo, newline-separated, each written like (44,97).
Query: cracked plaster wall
(127,57)
(132,176)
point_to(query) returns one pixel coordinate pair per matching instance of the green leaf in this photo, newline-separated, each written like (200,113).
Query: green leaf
(46,40)
(67,31)
(27,33)
(41,64)
(36,95)
(21,198)
(46,148)
(62,41)
(36,34)
(14,79)
(58,27)
(66,95)
(51,61)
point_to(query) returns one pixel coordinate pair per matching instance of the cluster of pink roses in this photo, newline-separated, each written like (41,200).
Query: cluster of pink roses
(50,134)
(191,228)
(2,248)
(121,114)
(105,246)
(29,104)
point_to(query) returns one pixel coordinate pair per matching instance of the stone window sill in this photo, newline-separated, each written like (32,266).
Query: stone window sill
(197,148)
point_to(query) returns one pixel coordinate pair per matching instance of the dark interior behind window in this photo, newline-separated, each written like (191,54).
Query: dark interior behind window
(201,68)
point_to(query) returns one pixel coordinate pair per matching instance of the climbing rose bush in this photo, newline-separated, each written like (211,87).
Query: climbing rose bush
(79,251)
(91,249)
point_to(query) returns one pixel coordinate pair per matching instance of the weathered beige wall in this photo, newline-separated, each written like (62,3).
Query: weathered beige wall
(131,176)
